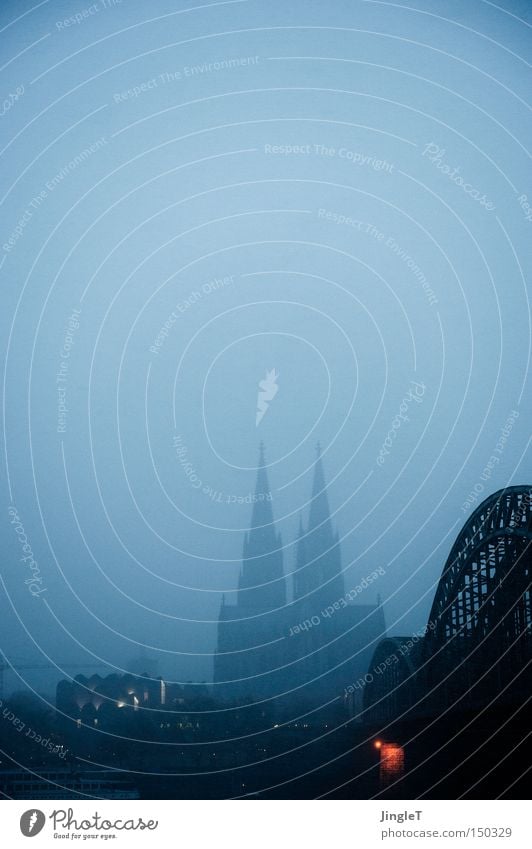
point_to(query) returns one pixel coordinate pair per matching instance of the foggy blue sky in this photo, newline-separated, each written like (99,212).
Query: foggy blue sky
(190,182)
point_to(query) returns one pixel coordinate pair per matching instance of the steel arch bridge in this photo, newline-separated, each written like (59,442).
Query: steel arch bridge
(390,683)
(477,643)
(479,632)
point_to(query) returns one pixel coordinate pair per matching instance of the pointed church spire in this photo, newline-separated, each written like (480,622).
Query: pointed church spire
(319,507)
(262,513)
(261,582)
(322,545)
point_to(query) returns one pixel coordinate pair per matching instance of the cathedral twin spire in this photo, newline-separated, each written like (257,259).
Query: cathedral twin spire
(262,585)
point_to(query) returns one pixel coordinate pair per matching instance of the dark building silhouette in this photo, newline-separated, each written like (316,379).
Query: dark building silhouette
(336,636)
(318,579)
(66,782)
(309,648)
(249,657)
(85,698)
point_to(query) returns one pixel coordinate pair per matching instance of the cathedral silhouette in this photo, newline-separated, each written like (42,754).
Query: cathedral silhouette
(305,646)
